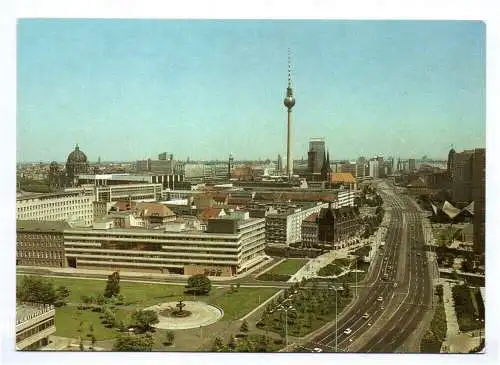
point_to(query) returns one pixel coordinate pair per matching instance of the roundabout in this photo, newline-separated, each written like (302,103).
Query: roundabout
(192,315)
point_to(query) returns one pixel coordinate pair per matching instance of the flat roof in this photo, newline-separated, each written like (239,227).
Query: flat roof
(41,225)
(23,311)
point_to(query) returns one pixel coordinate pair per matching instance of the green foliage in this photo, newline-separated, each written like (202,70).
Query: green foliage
(198,284)
(135,343)
(273,277)
(435,335)
(169,337)
(36,290)
(144,319)
(62,294)
(218,345)
(244,326)
(113,285)
(464,307)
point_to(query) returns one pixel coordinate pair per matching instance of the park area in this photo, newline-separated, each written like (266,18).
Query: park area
(469,307)
(79,319)
(284,270)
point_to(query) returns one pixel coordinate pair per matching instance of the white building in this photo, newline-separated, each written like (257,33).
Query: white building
(374,168)
(226,248)
(34,324)
(285,228)
(112,193)
(73,207)
(345,198)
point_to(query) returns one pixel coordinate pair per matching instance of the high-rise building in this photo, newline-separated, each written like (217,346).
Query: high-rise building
(279,164)
(412,164)
(462,177)
(478,196)
(289,102)
(373,167)
(316,154)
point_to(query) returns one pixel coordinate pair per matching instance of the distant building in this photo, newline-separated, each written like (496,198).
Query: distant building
(34,324)
(373,166)
(168,181)
(478,196)
(412,166)
(76,164)
(74,207)
(316,155)
(113,193)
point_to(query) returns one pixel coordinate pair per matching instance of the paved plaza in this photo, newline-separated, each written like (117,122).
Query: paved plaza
(202,314)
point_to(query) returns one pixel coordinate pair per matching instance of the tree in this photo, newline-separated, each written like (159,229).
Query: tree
(62,293)
(36,290)
(126,342)
(169,337)
(244,326)
(345,290)
(113,285)
(218,346)
(198,284)
(144,319)
(232,343)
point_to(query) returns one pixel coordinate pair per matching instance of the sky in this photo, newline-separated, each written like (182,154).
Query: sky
(130,89)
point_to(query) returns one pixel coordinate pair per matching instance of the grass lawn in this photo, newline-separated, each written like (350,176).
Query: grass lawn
(435,335)
(140,295)
(288,267)
(68,324)
(464,307)
(239,303)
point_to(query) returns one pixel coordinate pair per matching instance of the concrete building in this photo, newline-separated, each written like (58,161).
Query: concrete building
(412,164)
(478,197)
(167,166)
(168,181)
(284,227)
(34,324)
(75,207)
(316,155)
(334,226)
(373,168)
(226,248)
(113,193)
(40,243)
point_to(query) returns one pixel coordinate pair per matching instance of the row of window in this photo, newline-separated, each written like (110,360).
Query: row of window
(41,254)
(65,203)
(34,330)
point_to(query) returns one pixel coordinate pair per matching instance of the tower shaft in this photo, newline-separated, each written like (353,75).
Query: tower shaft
(289,162)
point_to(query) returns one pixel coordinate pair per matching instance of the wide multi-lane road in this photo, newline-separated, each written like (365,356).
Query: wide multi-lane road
(395,294)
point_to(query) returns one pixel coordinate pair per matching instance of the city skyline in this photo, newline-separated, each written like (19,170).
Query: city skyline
(199,91)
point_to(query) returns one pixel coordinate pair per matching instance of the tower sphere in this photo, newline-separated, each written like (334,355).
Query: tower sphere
(289,101)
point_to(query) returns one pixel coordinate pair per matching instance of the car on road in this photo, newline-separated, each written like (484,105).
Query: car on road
(317,349)
(379,299)
(419,254)
(348,331)
(366,316)
(382,307)
(395,285)
(369,324)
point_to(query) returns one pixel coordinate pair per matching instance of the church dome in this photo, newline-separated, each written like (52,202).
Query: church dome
(77,156)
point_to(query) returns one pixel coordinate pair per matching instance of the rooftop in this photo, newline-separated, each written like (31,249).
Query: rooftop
(41,226)
(25,311)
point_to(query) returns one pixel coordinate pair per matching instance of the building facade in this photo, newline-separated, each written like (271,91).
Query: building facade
(75,207)
(337,226)
(478,196)
(285,228)
(40,243)
(34,324)
(226,248)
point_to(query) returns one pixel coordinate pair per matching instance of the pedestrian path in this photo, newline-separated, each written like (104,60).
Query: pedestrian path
(452,328)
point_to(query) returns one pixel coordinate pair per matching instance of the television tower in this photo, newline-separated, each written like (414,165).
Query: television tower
(289,102)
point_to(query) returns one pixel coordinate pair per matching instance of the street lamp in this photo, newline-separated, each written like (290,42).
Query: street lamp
(286,309)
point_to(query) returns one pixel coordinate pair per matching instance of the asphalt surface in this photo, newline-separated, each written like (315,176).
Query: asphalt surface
(395,305)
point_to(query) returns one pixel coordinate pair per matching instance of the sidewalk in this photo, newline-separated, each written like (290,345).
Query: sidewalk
(452,328)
